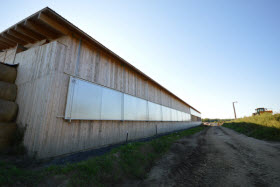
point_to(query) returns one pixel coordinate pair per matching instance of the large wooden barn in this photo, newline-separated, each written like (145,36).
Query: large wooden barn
(74,94)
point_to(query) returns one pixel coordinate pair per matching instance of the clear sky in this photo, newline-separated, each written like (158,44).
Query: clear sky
(209,53)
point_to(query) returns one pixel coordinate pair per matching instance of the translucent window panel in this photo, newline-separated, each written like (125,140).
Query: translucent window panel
(134,108)
(183,116)
(111,107)
(195,113)
(188,117)
(154,111)
(180,116)
(88,101)
(174,115)
(177,112)
(166,113)
(84,100)
(69,99)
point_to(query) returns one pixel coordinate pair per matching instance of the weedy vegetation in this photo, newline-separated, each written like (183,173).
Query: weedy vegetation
(128,162)
(265,126)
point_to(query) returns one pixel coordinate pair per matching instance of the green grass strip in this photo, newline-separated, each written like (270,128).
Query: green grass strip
(131,161)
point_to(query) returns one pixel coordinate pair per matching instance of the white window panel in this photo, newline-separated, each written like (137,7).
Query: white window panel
(135,108)
(188,117)
(166,113)
(89,101)
(84,100)
(111,108)
(174,115)
(154,111)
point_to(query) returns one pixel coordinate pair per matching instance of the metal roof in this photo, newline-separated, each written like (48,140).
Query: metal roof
(47,24)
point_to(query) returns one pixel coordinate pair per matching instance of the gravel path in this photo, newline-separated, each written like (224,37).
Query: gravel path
(217,156)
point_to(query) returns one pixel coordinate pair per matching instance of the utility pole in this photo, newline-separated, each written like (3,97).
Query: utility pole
(234,108)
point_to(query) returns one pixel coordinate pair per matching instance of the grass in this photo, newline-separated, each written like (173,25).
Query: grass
(265,126)
(131,161)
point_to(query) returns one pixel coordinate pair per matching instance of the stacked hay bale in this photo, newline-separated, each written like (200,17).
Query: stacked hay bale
(8,107)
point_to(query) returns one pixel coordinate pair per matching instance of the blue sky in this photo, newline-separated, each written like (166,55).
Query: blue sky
(209,53)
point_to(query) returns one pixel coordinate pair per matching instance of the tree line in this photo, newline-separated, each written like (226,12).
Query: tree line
(209,120)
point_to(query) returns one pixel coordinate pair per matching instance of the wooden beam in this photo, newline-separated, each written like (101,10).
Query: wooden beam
(39,29)
(3,42)
(11,43)
(14,39)
(2,46)
(36,36)
(54,24)
(21,36)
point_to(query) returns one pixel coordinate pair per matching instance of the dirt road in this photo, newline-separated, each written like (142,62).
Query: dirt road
(217,156)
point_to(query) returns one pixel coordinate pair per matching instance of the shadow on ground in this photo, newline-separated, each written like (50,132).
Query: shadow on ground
(255,130)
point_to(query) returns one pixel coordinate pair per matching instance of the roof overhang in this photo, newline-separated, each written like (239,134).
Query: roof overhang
(35,28)
(49,25)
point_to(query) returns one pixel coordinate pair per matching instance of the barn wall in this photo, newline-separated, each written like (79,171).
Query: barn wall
(8,56)
(43,77)
(36,73)
(100,68)
(2,56)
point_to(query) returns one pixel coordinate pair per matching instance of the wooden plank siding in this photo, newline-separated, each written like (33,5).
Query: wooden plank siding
(2,56)
(9,56)
(36,70)
(43,77)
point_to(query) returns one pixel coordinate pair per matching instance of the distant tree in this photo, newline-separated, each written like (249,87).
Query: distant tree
(206,120)
(215,120)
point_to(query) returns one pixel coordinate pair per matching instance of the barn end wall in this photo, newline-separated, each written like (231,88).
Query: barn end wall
(43,78)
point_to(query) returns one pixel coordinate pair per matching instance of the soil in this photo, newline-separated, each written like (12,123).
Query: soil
(217,156)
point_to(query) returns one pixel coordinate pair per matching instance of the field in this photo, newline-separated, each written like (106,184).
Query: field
(265,126)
